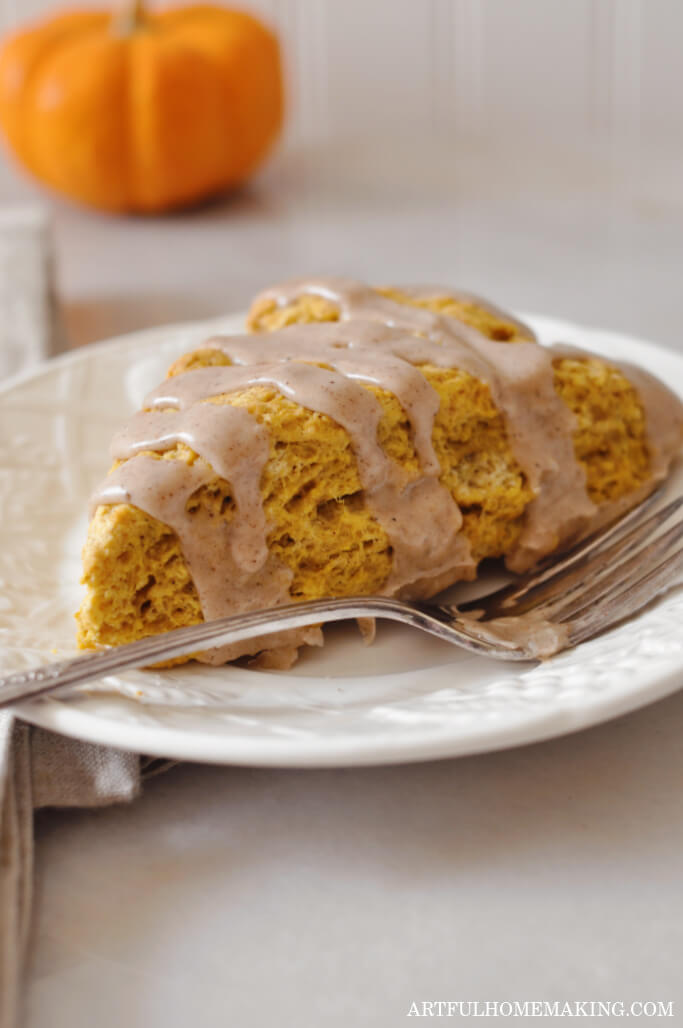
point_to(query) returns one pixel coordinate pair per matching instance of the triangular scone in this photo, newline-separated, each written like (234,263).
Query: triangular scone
(386,444)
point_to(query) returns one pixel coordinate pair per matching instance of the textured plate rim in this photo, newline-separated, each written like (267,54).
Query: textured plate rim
(183,745)
(520,728)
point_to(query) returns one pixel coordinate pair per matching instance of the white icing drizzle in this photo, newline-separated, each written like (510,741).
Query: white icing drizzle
(432,292)
(228,558)
(419,515)
(324,367)
(520,376)
(231,442)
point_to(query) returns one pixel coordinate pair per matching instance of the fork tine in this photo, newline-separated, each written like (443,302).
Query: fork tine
(539,589)
(604,584)
(593,543)
(596,541)
(616,606)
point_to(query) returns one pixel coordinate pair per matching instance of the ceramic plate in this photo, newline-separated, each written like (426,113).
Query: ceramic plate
(407,697)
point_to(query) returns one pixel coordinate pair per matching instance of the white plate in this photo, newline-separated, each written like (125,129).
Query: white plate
(408,697)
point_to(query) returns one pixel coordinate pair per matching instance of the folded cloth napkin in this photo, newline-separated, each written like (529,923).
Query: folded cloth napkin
(41,769)
(30,326)
(38,768)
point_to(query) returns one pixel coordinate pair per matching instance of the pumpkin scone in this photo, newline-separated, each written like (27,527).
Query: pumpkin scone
(359,441)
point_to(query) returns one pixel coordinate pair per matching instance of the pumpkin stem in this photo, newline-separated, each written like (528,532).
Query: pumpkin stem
(130,17)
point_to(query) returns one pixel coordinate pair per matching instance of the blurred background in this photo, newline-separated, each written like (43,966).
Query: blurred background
(531,150)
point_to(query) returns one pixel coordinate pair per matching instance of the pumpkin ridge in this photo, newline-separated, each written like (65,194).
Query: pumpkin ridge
(129,124)
(230,30)
(71,34)
(49,37)
(172,49)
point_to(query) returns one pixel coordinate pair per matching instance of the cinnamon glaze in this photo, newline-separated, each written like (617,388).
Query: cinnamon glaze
(327,368)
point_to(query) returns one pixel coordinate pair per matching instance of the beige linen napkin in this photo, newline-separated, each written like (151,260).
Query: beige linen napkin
(38,768)
(30,327)
(41,769)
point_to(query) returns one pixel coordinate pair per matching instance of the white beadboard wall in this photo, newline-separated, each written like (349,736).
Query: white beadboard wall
(585,71)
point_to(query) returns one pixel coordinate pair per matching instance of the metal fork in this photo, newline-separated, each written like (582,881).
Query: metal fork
(563,602)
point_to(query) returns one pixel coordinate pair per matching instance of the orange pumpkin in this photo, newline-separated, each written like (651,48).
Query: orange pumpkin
(142,111)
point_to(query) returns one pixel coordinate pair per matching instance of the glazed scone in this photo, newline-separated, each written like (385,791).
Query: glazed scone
(341,457)
(610,433)
(270,312)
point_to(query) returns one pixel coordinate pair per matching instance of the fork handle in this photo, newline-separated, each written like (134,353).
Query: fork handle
(23,685)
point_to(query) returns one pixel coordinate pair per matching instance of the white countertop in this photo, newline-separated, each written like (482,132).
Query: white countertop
(228,896)
(576,235)
(251,898)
